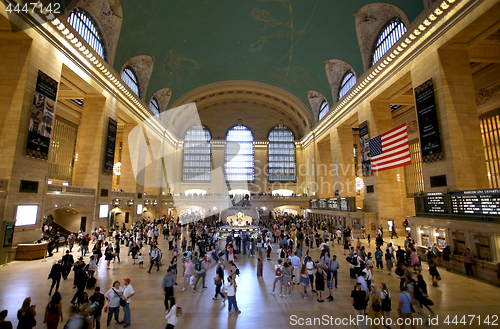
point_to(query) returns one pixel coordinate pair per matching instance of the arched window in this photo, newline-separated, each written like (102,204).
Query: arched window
(87,28)
(281,164)
(197,155)
(239,162)
(154,106)
(323,110)
(129,77)
(388,38)
(347,83)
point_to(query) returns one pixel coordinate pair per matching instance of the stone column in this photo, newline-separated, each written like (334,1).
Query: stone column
(343,170)
(387,198)
(463,154)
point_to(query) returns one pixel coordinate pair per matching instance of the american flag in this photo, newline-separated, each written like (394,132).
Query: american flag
(390,150)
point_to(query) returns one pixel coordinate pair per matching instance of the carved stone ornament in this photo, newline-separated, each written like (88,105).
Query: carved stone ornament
(483,95)
(335,70)
(163,97)
(109,15)
(315,99)
(143,66)
(369,21)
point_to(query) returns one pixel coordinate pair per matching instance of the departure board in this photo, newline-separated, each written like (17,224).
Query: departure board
(479,202)
(436,203)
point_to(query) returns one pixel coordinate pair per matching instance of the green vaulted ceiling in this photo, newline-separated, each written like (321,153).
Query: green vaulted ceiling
(279,42)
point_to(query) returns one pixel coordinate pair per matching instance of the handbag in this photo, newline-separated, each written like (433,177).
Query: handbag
(123,302)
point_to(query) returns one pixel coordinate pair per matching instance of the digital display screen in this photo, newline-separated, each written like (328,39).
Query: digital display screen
(103,211)
(26,215)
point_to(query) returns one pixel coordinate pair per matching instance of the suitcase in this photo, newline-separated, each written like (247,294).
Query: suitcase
(91,283)
(352,273)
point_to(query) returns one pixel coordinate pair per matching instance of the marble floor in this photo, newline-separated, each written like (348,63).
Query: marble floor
(456,295)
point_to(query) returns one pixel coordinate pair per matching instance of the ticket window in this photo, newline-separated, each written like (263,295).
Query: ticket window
(458,245)
(424,236)
(482,244)
(440,236)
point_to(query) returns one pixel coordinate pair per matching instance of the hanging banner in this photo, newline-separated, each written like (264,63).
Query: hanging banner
(42,116)
(430,141)
(109,156)
(365,149)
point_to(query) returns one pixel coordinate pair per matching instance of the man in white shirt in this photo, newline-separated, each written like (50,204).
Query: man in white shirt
(128,292)
(362,280)
(296,268)
(339,235)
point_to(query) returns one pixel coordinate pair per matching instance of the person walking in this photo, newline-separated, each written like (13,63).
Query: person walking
(167,285)
(127,293)
(108,255)
(53,312)
(334,267)
(55,274)
(219,282)
(231,295)
(278,277)
(71,242)
(295,261)
(287,279)
(100,300)
(67,264)
(359,299)
(26,315)
(153,258)
(374,311)
(320,275)
(405,308)
(188,272)
(171,315)
(304,280)
(113,296)
(200,268)
(385,308)
(80,282)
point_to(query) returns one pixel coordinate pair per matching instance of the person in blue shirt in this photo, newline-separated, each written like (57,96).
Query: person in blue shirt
(379,259)
(404,308)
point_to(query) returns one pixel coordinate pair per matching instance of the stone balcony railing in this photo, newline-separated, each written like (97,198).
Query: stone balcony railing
(73,190)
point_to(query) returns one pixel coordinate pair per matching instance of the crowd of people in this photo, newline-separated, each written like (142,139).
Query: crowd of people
(196,249)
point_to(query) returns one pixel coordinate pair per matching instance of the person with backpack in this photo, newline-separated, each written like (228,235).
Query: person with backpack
(278,277)
(385,307)
(375,305)
(200,268)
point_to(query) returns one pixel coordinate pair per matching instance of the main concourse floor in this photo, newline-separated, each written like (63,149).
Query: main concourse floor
(456,295)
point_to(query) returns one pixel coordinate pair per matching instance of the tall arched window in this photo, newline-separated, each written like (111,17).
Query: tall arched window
(197,155)
(87,28)
(348,81)
(281,164)
(239,162)
(388,38)
(130,78)
(323,110)
(154,106)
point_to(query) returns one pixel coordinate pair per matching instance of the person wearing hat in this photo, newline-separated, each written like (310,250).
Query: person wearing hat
(128,292)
